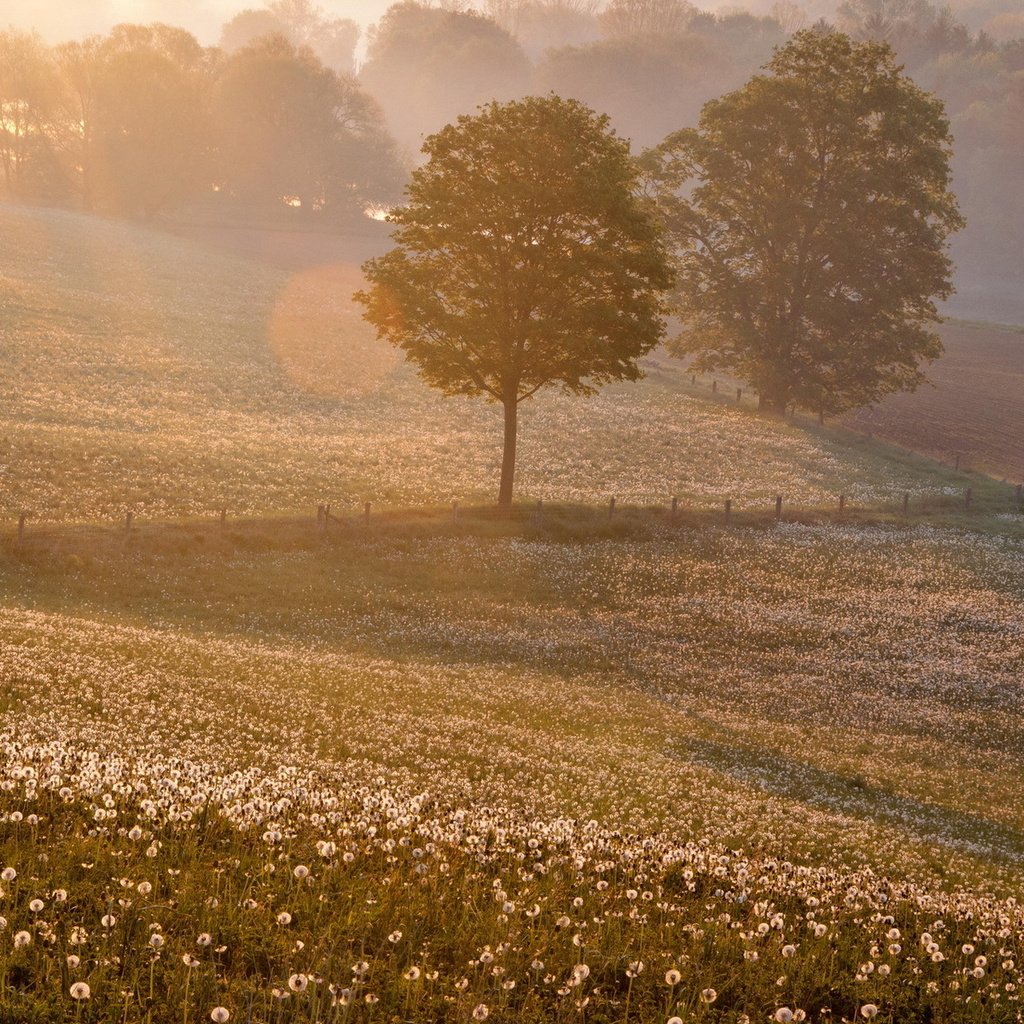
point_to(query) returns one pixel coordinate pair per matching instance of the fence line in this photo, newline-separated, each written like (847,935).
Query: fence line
(725,514)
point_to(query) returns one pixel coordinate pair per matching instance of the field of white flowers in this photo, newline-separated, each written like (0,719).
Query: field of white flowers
(142,372)
(423,770)
(713,775)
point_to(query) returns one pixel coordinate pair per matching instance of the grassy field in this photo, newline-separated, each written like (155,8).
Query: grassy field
(145,372)
(426,769)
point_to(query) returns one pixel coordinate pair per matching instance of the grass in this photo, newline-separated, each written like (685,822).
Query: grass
(430,768)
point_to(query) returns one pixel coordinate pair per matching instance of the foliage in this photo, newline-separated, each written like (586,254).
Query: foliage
(813,243)
(288,126)
(427,65)
(523,260)
(333,40)
(150,142)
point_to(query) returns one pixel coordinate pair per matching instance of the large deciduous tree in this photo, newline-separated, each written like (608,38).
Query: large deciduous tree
(524,259)
(810,210)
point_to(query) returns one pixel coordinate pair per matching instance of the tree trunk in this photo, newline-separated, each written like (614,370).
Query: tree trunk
(508,458)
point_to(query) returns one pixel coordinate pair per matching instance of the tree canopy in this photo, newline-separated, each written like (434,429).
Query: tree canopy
(289,126)
(524,259)
(426,65)
(810,210)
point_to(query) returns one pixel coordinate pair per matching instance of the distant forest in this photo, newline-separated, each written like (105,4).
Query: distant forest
(280,121)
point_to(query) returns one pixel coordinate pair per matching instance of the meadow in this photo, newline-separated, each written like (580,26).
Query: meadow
(425,769)
(149,373)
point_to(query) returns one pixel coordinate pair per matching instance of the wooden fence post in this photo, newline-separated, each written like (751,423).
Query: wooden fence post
(611,508)
(957,464)
(739,395)
(675,508)
(968,495)
(223,518)
(1020,494)
(906,503)
(778,507)
(128,523)
(539,514)
(366,513)
(728,510)
(455,511)
(842,503)
(714,387)
(21,528)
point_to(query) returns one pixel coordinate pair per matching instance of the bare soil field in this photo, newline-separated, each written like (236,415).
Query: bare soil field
(974,409)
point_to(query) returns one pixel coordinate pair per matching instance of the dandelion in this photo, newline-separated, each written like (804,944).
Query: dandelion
(301,872)
(284,918)
(35,906)
(672,977)
(783,1015)
(412,974)
(869,1010)
(708,995)
(674,1020)
(298,982)
(395,937)
(8,874)
(81,991)
(22,939)
(220,1015)
(204,939)
(480,1011)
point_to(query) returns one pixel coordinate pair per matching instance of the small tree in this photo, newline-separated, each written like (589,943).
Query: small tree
(813,241)
(524,259)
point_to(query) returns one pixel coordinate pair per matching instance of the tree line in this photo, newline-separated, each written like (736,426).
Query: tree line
(145,119)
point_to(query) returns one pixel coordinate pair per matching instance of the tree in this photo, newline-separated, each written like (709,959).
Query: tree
(28,100)
(647,85)
(289,127)
(540,25)
(625,19)
(426,65)
(151,134)
(302,23)
(813,242)
(79,64)
(524,259)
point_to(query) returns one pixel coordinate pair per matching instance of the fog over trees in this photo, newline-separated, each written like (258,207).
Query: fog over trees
(139,120)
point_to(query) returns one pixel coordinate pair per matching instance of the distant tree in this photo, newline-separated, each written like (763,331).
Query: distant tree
(648,85)
(524,259)
(151,134)
(302,23)
(79,65)
(625,19)
(28,101)
(249,25)
(814,239)
(541,25)
(916,29)
(289,127)
(426,65)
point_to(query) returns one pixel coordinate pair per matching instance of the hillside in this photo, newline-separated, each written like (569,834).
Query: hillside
(155,374)
(425,769)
